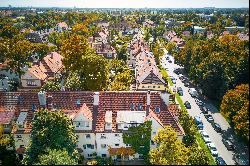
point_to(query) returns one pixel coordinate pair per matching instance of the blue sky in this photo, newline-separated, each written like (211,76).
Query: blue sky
(127,3)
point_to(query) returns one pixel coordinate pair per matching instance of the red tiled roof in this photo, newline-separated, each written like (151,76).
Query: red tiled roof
(6,116)
(20,150)
(108,101)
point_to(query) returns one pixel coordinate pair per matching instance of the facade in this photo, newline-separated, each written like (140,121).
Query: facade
(99,118)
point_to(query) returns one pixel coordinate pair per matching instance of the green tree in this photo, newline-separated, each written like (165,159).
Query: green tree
(187,122)
(139,138)
(197,156)
(7,156)
(170,150)
(17,53)
(171,46)
(51,86)
(53,130)
(92,68)
(56,157)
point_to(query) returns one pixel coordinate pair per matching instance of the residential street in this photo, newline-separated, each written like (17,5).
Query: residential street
(215,137)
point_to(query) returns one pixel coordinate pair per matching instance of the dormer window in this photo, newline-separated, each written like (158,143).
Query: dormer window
(157,110)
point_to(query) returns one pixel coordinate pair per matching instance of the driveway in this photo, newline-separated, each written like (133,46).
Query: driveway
(215,137)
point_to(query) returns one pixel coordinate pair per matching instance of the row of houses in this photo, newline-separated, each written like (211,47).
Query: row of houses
(147,74)
(99,118)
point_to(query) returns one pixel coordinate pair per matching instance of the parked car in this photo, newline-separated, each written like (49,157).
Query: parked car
(193,92)
(170,61)
(167,58)
(181,76)
(198,122)
(220,161)
(204,110)
(199,102)
(239,160)
(180,91)
(187,105)
(209,118)
(186,83)
(173,79)
(212,149)
(217,127)
(177,71)
(229,145)
(205,136)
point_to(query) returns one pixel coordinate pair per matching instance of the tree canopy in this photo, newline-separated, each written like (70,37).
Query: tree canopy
(170,151)
(53,130)
(55,157)
(235,107)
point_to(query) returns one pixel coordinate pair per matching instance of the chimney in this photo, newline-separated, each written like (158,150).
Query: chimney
(95,110)
(42,98)
(148,103)
(50,102)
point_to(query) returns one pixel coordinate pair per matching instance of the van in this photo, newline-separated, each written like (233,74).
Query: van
(193,92)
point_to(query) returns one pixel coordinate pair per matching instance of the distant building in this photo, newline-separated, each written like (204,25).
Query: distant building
(61,26)
(199,30)
(48,68)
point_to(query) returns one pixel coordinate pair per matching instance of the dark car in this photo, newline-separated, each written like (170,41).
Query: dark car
(167,58)
(220,161)
(204,110)
(186,83)
(217,127)
(170,61)
(229,145)
(180,91)
(209,118)
(187,105)
(177,71)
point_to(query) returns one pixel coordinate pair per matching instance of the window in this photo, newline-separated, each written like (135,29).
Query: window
(88,136)
(89,146)
(103,146)
(154,132)
(104,155)
(21,146)
(84,146)
(19,136)
(92,146)
(117,135)
(103,136)
(90,155)
(78,124)
(128,145)
(31,83)
(152,142)
(116,144)
(86,124)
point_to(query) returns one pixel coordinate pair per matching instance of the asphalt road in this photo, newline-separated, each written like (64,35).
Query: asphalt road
(215,137)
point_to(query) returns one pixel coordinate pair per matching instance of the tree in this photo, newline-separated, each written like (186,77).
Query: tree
(56,157)
(17,53)
(235,107)
(53,130)
(51,86)
(74,82)
(197,156)
(170,150)
(122,53)
(139,138)
(7,156)
(80,58)
(187,122)
(171,46)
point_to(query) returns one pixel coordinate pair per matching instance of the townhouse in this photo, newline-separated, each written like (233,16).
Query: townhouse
(48,68)
(100,118)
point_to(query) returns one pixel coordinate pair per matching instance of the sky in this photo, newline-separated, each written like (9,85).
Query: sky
(127,3)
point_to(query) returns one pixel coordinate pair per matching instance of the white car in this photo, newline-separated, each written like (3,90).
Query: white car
(213,149)
(198,102)
(205,136)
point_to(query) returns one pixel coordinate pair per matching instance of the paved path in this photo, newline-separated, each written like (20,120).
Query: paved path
(215,137)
